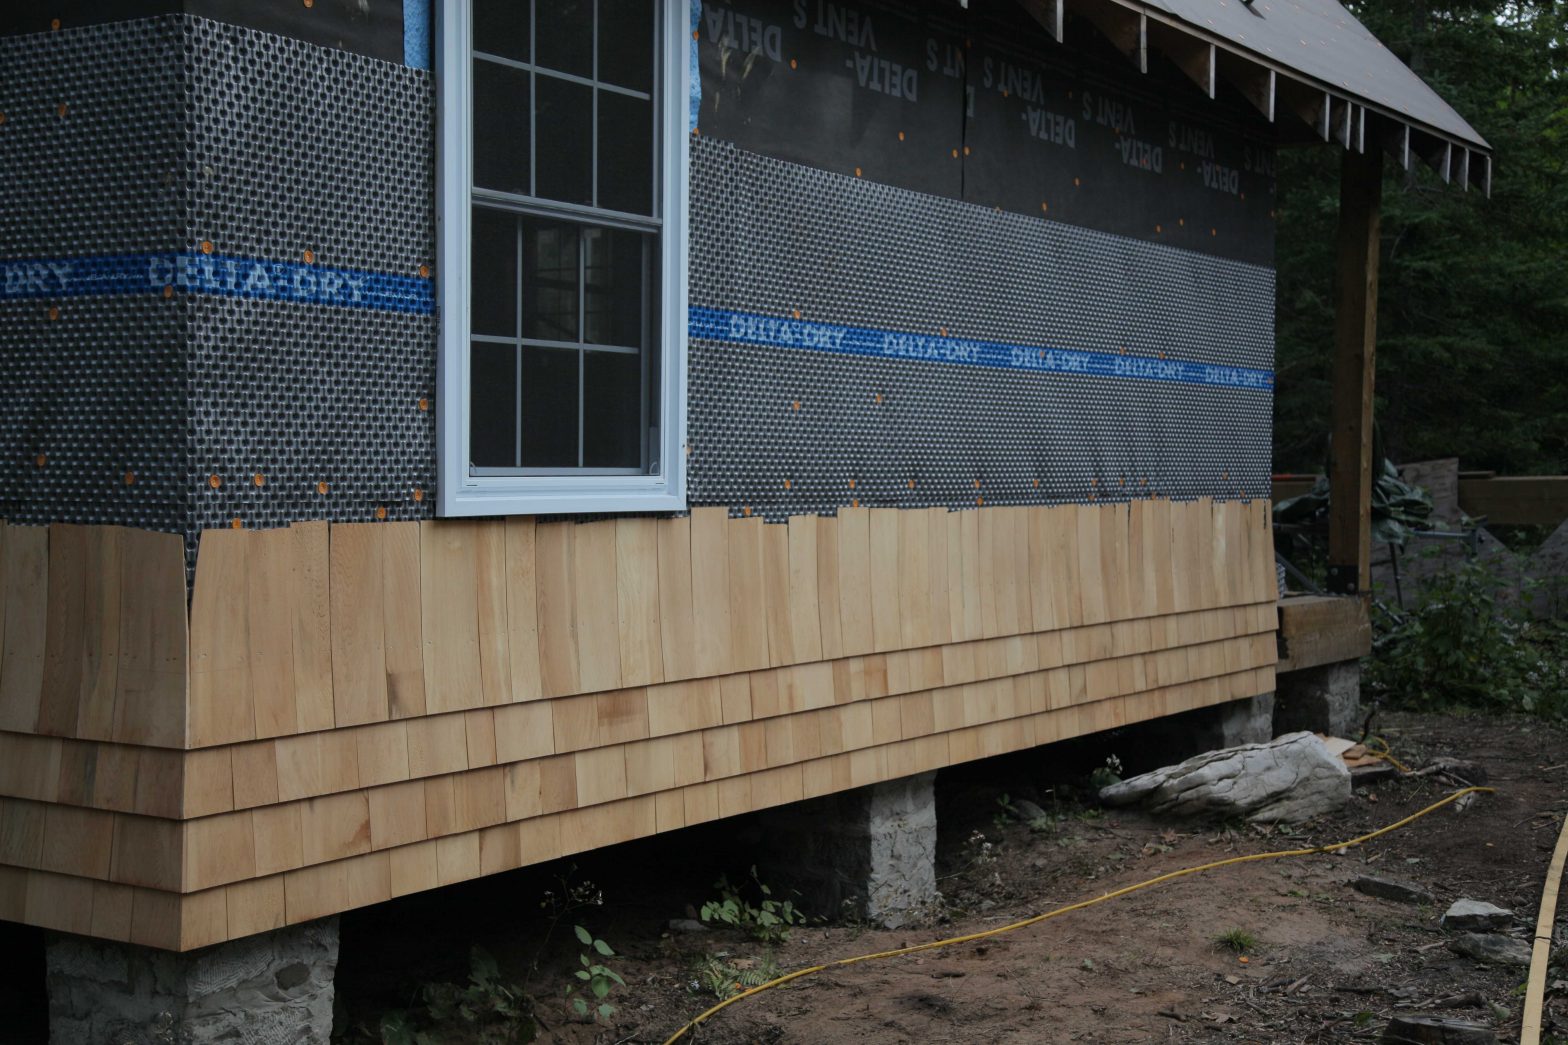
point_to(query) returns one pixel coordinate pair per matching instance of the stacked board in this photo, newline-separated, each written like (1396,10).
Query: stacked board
(360,711)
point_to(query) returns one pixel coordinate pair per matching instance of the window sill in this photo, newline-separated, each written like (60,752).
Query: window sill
(547,497)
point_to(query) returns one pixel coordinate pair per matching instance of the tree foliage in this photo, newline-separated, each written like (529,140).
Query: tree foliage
(1473,300)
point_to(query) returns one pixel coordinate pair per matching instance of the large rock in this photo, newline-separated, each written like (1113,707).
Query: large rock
(1492,949)
(1391,889)
(1436,1030)
(1290,778)
(1476,916)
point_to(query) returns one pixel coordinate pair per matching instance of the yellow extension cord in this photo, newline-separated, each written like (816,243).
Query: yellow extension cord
(934,944)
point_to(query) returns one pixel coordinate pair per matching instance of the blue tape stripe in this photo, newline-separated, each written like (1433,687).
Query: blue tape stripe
(224,274)
(748,328)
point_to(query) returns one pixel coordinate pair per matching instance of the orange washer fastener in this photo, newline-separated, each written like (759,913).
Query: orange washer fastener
(214,480)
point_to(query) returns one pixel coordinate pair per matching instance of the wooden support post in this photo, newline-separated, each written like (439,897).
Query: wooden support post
(1355,343)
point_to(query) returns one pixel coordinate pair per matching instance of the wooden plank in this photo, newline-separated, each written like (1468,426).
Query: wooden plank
(522,609)
(748,595)
(710,590)
(680,707)
(735,698)
(357,573)
(278,842)
(381,752)
(397,814)
(204,919)
(556,608)
(414,868)
(938,609)
(1355,351)
(490,584)
(77,841)
(775,573)
(437,744)
(974,571)
(676,633)
(622,715)
(24,574)
(479,724)
(637,599)
(219,850)
(524,731)
(221,703)
(100,633)
(254,768)
(147,852)
(310,602)
(1519,500)
(255,906)
(805,617)
(449,614)
(209,782)
(828,598)
(885,627)
(985,566)
(154,644)
(271,632)
(333,827)
(597,615)
(601,775)
(111,917)
(854,573)
(914,578)
(1115,560)
(402,626)
(320,763)
(60,687)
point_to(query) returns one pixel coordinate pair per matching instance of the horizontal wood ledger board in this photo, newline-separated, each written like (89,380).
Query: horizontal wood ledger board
(371,692)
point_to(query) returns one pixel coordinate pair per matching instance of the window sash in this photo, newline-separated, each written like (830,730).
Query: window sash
(466,490)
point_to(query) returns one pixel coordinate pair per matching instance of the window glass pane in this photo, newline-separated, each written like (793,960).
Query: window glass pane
(626,40)
(550,408)
(613,310)
(492,408)
(493,273)
(565,35)
(550,280)
(612,410)
(501,104)
(625,153)
(563,130)
(501,27)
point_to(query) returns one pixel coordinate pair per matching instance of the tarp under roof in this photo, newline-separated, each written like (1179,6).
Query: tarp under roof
(1311,57)
(1322,40)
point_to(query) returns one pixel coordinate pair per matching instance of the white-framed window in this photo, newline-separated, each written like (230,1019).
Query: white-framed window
(561,206)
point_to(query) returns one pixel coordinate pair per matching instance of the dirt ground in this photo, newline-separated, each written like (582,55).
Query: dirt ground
(1328,964)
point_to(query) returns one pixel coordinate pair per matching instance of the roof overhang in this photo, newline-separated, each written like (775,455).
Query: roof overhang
(1307,65)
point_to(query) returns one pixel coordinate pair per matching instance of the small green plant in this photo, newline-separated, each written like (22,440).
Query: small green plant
(723,976)
(1237,941)
(594,978)
(1108,774)
(1463,647)
(488,1010)
(767,921)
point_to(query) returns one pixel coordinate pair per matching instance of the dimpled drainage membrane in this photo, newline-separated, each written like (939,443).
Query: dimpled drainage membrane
(150,401)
